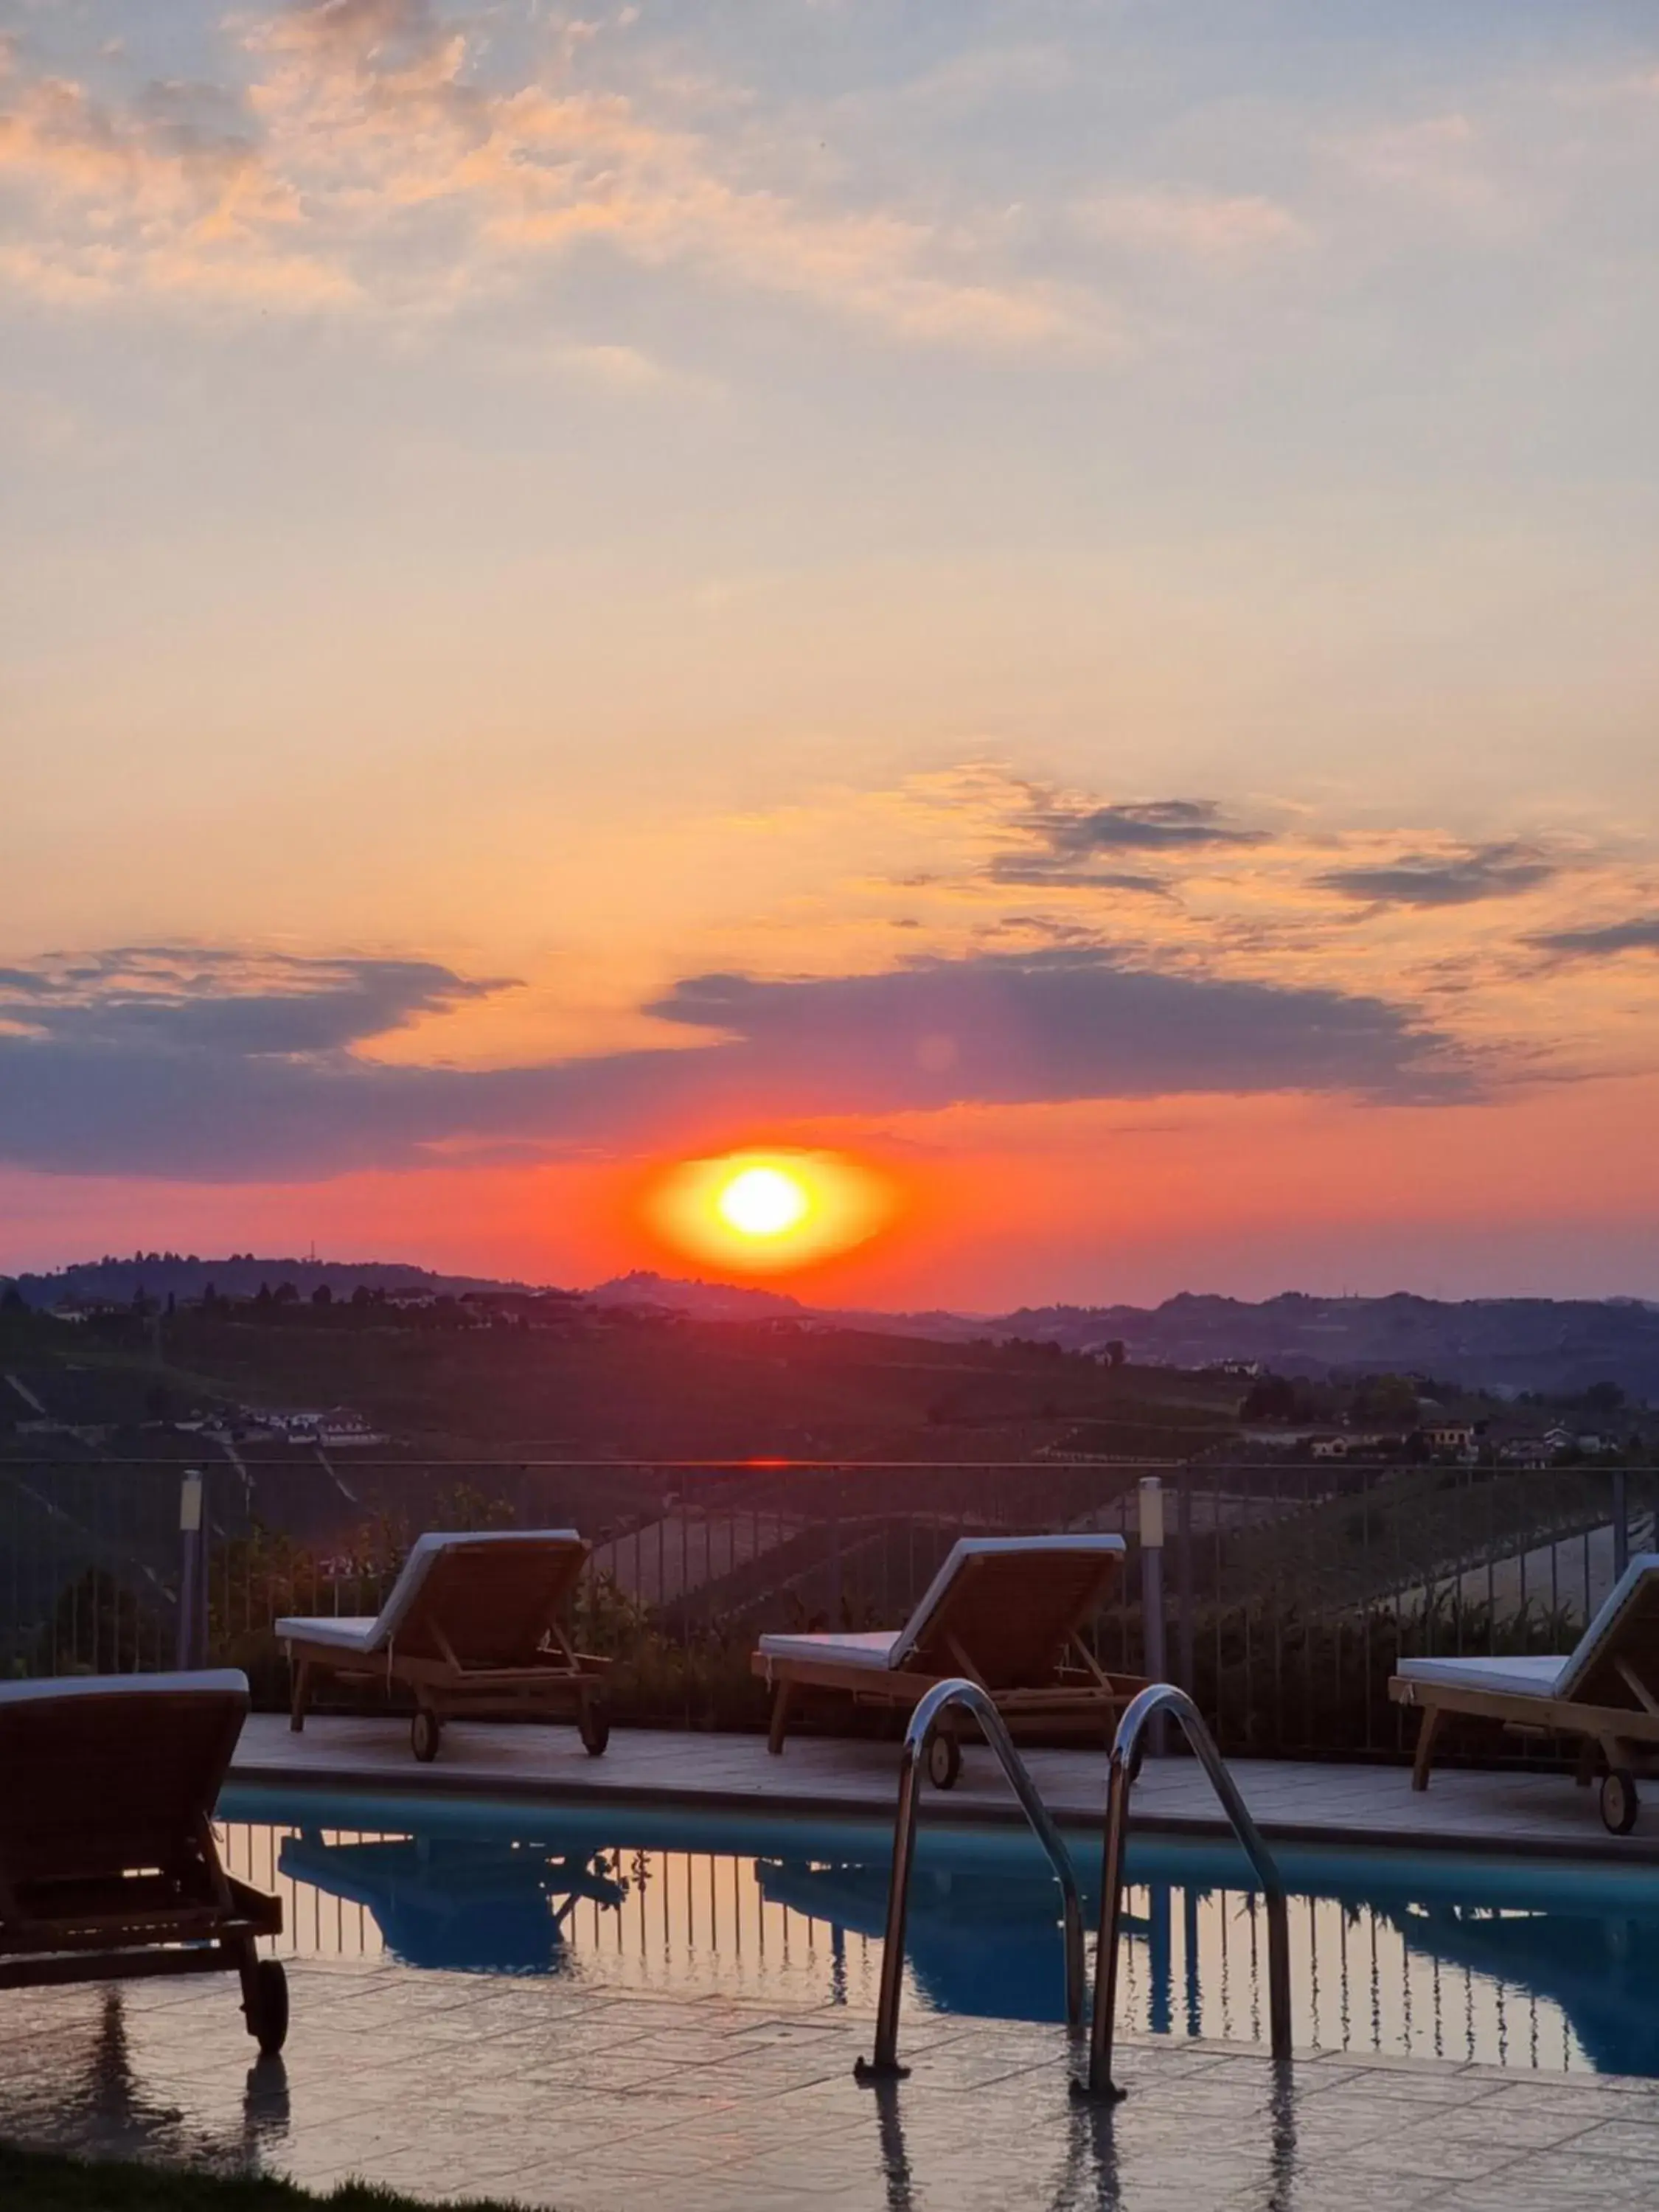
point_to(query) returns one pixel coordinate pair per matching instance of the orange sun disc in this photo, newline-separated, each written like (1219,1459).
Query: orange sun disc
(760,1211)
(763,1201)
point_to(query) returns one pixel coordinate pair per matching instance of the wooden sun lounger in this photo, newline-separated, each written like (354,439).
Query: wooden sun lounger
(472,1627)
(1004,1611)
(109,1870)
(1606,1692)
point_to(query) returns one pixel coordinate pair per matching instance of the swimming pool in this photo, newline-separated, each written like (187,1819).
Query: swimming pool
(1522,1963)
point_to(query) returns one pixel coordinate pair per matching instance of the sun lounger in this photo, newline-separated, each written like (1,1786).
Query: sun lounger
(1004,1611)
(472,1626)
(1606,1692)
(108,1866)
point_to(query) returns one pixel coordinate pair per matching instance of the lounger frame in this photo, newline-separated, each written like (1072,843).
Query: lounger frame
(1605,1693)
(108,1870)
(454,1614)
(1079,1695)
(1619,1733)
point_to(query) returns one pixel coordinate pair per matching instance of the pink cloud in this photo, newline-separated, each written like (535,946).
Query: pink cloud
(358,115)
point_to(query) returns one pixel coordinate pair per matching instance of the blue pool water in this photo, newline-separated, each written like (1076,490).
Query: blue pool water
(1521,1963)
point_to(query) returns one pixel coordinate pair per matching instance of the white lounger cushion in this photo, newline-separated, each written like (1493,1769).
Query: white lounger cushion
(216,1680)
(846,1650)
(351,1633)
(1519,1677)
(887,1650)
(347,1632)
(1549,1677)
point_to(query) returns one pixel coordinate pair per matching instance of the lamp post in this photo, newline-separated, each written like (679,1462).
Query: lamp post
(1150,1521)
(192,1523)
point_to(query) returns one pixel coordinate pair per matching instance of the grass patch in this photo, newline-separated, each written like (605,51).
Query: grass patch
(33,2182)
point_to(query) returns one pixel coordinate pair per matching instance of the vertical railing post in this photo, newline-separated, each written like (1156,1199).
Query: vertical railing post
(1184,1584)
(1150,1520)
(836,1593)
(191,1519)
(1621,1523)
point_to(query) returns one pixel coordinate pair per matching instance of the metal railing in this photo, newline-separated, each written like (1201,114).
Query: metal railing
(1164,1698)
(1285,1594)
(924,1721)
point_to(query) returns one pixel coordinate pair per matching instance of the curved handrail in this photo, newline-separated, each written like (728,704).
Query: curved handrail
(959,1691)
(1160,1697)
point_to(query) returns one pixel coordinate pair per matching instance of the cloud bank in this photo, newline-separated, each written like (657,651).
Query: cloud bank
(362,153)
(1069,844)
(1640,935)
(1432,880)
(211,1067)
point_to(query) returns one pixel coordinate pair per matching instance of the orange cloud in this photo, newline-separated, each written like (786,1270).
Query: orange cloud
(135,200)
(359,114)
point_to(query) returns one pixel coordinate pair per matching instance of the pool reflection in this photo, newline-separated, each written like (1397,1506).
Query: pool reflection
(1560,1974)
(1600,1971)
(468,1903)
(983,1944)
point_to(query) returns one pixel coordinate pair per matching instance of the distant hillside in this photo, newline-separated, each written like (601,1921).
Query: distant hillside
(742,1302)
(706,1300)
(179,1275)
(1553,1345)
(1503,1345)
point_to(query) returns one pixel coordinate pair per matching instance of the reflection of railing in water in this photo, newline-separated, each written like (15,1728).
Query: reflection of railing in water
(1367,1977)
(682,1921)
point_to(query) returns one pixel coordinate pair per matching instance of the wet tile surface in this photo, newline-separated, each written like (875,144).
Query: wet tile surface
(557,2095)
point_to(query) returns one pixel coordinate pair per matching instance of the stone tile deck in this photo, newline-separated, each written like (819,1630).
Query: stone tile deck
(1318,1805)
(586,2100)
(571,2092)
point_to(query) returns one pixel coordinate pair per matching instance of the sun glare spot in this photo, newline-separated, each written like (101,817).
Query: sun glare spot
(763,1201)
(760,1211)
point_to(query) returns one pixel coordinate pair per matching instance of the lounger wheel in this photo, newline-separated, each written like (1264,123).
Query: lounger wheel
(266,2007)
(1620,1802)
(943,1760)
(426,1733)
(593,1723)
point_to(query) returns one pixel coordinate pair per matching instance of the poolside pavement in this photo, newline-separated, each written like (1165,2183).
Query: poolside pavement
(585,2099)
(1315,1804)
(568,2091)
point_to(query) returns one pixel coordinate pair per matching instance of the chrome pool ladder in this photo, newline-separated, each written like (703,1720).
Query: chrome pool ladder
(1164,1698)
(884,2065)
(1125,1767)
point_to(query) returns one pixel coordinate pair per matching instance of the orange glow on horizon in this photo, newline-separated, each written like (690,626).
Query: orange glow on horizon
(764,1211)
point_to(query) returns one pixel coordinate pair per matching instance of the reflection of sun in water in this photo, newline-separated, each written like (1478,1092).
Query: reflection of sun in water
(763,1201)
(758,1211)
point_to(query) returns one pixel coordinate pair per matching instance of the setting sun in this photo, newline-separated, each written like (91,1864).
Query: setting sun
(769,1211)
(765,1201)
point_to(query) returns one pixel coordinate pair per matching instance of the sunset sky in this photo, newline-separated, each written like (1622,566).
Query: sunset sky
(1058,596)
